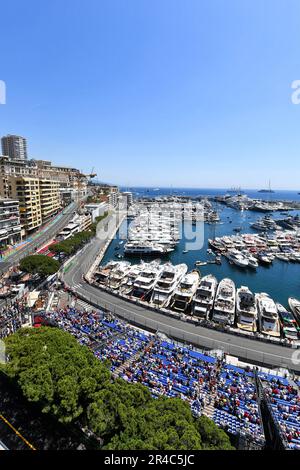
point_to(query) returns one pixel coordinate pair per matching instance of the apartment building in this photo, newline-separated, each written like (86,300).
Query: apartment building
(79,223)
(106,188)
(50,197)
(26,190)
(85,221)
(72,181)
(96,209)
(19,181)
(10,167)
(37,185)
(10,227)
(128,197)
(113,198)
(14,146)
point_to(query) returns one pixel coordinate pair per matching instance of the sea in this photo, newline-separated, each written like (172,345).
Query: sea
(280,280)
(194,192)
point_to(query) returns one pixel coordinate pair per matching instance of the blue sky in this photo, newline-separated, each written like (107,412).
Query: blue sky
(157,92)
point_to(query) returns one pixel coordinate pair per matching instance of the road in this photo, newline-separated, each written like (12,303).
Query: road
(246,349)
(45,234)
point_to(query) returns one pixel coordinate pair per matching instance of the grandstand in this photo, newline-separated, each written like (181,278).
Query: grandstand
(236,402)
(283,402)
(226,393)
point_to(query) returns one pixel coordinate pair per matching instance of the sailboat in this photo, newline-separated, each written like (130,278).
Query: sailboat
(268,190)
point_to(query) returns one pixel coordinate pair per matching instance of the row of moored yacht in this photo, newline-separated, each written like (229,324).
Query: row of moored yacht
(172,287)
(250,250)
(153,233)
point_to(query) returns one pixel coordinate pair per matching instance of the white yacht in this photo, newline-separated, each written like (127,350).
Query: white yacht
(237,258)
(282,257)
(153,231)
(224,306)
(217,244)
(264,258)
(264,224)
(185,291)
(117,274)
(297,256)
(167,283)
(288,323)
(101,275)
(146,248)
(252,261)
(295,307)
(246,309)
(146,280)
(228,243)
(267,315)
(204,297)
(128,281)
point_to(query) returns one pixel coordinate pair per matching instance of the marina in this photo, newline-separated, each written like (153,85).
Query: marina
(215,285)
(218,293)
(188,296)
(279,278)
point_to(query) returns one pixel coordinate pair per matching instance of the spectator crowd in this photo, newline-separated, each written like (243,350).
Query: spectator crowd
(225,392)
(13,316)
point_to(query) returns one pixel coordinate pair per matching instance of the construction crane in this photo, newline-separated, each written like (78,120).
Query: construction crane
(82,176)
(92,174)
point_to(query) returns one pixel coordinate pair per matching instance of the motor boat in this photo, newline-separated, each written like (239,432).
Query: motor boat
(295,308)
(204,297)
(224,305)
(146,248)
(246,309)
(288,323)
(237,258)
(267,315)
(146,280)
(264,258)
(101,274)
(127,283)
(167,283)
(282,257)
(117,274)
(252,261)
(185,291)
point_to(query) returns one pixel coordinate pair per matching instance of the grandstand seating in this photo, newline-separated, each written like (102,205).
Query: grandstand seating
(173,371)
(236,402)
(179,371)
(120,350)
(285,404)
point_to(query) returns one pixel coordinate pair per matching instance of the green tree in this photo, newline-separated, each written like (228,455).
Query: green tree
(111,411)
(53,370)
(72,244)
(62,248)
(97,220)
(39,264)
(162,424)
(128,418)
(66,380)
(36,384)
(213,437)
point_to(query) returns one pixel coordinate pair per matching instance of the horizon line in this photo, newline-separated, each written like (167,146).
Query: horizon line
(198,187)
